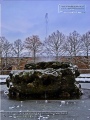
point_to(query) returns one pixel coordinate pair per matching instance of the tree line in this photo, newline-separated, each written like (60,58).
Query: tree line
(57,44)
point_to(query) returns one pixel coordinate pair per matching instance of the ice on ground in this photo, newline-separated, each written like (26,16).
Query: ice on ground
(3,78)
(83,77)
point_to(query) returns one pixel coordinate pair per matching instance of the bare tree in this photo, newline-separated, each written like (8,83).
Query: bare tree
(54,44)
(73,44)
(18,48)
(33,45)
(86,45)
(7,47)
(1,46)
(1,50)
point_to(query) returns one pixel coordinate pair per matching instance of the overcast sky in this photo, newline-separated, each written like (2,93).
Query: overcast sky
(21,19)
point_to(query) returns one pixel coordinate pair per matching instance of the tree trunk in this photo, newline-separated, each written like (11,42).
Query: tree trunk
(34,56)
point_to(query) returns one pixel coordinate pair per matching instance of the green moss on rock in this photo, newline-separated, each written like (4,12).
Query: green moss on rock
(45,80)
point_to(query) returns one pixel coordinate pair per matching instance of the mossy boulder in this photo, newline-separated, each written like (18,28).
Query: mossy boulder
(44,65)
(45,80)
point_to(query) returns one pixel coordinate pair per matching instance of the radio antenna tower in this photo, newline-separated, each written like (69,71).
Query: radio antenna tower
(46,20)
